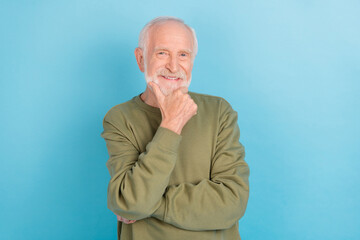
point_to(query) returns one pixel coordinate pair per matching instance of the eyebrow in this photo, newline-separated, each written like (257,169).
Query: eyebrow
(166,49)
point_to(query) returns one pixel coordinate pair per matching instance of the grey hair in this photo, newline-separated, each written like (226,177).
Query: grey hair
(144,34)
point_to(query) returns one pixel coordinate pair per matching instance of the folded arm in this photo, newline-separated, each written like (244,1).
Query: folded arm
(138,180)
(218,202)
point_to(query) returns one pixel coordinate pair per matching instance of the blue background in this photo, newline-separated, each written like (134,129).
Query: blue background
(289,68)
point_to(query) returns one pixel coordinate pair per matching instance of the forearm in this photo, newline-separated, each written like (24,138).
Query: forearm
(208,205)
(137,183)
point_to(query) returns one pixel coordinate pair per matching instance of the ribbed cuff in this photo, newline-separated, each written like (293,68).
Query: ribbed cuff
(167,139)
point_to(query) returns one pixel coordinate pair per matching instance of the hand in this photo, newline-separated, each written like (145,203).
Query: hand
(177,108)
(124,220)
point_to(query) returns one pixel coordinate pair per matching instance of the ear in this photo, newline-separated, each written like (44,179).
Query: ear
(139,55)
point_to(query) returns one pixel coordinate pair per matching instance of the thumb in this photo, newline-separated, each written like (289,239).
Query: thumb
(157,92)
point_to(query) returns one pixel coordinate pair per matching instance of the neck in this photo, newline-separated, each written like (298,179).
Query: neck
(149,98)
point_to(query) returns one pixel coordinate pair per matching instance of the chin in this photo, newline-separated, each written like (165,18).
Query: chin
(167,87)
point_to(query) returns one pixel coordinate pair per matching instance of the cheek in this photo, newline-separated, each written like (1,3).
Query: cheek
(154,66)
(188,68)
(150,70)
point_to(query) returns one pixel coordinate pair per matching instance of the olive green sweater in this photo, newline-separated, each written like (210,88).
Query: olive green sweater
(190,186)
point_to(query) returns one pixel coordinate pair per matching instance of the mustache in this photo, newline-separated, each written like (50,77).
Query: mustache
(165,72)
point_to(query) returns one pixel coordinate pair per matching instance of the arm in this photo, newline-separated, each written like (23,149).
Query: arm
(138,180)
(218,202)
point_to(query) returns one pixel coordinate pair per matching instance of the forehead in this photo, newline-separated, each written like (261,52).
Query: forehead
(171,35)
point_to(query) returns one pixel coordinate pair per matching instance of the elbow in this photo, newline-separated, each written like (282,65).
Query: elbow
(232,211)
(132,210)
(235,207)
(241,204)
(128,204)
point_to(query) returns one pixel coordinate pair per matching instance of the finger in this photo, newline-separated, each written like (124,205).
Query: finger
(183,89)
(195,109)
(124,220)
(156,90)
(129,221)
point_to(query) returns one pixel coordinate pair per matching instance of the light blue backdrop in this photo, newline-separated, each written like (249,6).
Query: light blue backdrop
(290,68)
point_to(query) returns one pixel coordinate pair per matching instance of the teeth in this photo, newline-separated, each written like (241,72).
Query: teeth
(171,78)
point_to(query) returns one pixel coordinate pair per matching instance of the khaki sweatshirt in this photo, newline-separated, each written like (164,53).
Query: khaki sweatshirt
(191,186)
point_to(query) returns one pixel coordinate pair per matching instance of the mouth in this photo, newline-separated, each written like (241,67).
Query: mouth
(170,78)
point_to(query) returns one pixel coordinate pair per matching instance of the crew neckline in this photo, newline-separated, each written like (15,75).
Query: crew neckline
(146,106)
(149,108)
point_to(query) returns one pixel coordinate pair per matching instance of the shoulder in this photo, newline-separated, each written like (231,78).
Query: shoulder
(205,97)
(118,113)
(210,101)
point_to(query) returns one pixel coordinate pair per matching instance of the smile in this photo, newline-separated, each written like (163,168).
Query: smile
(171,78)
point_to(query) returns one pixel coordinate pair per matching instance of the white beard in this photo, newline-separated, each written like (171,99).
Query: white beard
(166,90)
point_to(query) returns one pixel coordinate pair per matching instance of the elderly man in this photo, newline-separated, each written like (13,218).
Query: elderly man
(177,167)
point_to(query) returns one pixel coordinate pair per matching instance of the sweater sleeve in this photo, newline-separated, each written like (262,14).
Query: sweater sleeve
(218,202)
(138,180)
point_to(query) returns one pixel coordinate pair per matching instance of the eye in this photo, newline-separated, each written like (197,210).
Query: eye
(184,55)
(162,53)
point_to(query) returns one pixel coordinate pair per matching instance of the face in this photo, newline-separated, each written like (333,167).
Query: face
(169,56)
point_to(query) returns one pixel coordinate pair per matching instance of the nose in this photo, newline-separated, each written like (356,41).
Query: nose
(172,64)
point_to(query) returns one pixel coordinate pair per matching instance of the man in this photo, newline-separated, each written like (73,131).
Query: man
(177,167)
